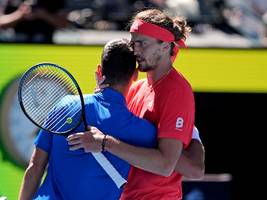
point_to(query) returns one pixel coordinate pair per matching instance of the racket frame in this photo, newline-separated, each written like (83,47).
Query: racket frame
(21,84)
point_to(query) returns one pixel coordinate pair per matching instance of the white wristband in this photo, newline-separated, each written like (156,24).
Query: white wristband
(195,134)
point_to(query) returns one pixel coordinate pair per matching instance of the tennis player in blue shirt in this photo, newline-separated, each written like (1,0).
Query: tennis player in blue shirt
(76,174)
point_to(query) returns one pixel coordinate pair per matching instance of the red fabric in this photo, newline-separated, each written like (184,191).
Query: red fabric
(176,49)
(162,104)
(155,31)
(151,30)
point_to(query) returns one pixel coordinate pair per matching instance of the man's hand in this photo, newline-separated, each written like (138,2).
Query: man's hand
(90,141)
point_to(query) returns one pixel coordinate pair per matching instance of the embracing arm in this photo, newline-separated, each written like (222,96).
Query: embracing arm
(192,161)
(33,174)
(160,161)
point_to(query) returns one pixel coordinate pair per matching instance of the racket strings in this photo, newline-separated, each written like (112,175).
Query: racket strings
(43,89)
(62,117)
(39,88)
(32,101)
(53,78)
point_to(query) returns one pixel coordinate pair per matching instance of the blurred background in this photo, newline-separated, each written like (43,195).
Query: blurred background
(226,63)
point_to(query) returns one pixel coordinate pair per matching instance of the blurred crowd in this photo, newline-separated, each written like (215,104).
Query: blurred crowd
(34,21)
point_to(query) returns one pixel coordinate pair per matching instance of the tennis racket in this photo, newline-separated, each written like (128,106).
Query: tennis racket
(52,99)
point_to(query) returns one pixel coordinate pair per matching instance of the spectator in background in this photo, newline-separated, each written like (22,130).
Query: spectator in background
(259,6)
(243,17)
(115,14)
(33,21)
(260,9)
(107,14)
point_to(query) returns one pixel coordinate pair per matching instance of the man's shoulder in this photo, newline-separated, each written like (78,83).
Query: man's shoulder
(68,100)
(175,86)
(177,80)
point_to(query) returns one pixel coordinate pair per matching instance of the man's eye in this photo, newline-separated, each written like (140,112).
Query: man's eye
(137,44)
(144,43)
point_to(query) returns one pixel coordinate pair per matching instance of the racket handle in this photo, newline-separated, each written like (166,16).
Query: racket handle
(110,169)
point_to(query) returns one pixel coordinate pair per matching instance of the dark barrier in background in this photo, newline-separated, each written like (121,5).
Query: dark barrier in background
(211,187)
(232,127)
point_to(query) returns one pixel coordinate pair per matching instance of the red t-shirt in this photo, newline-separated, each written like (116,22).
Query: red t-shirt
(169,105)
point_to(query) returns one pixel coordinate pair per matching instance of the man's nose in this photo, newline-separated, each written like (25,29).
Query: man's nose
(136,53)
(137,50)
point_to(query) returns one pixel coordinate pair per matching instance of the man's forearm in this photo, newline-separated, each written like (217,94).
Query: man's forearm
(56,20)
(160,161)
(33,174)
(31,181)
(10,20)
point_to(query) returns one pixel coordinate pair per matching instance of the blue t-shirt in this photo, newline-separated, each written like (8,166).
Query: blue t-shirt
(76,174)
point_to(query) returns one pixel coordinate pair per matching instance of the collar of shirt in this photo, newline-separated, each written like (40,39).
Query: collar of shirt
(112,96)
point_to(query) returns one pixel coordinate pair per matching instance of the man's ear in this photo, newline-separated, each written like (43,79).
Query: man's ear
(98,74)
(99,70)
(166,46)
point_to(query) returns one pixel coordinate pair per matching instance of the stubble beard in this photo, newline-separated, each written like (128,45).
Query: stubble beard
(145,68)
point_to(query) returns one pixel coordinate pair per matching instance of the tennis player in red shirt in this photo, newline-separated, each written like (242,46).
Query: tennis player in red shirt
(166,99)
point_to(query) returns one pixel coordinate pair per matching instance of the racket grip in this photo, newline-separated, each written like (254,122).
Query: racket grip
(110,169)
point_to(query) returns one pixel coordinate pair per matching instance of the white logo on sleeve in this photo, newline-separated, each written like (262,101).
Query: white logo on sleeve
(179,123)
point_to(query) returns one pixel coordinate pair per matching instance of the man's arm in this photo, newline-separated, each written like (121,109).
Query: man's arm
(192,161)
(160,161)
(57,20)
(10,20)
(33,174)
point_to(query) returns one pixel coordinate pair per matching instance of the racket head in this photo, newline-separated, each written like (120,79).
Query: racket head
(51,98)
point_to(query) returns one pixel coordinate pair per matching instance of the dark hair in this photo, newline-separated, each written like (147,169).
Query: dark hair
(177,26)
(118,62)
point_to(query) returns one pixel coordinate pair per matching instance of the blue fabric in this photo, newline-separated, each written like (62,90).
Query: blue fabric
(76,174)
